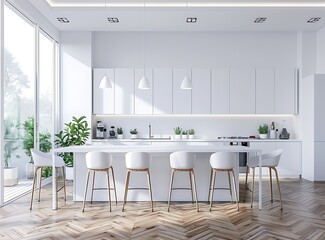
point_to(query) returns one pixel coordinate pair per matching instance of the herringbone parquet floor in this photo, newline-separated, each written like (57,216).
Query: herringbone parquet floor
(303,217)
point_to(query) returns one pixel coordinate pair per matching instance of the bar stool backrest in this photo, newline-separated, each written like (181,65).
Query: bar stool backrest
(42,159)
(271,159)
(223,160)
(182,160)
(98,160)
(137,160)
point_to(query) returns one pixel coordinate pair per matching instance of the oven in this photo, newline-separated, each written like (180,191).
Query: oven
(243,156)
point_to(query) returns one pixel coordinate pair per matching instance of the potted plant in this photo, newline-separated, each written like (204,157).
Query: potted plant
(75,133)
(191,133)
(178,132)
(10,173)
(184,134)
(119,133)
(263,131)
(134,133)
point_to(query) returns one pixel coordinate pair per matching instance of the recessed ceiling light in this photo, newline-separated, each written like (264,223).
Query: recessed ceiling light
(314,20)
(191,20)
(113,20)
(63,20)
(260,20)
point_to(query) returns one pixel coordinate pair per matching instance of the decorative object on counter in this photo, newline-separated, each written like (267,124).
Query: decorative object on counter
(178,132)
(272,131)
(75,133)
(284,133)
(263,130)
(112,133)
(119,133)
(191,133)
(100,130)
(134,133)
(184,134)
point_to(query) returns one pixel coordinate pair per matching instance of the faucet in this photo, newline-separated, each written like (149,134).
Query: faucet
(150,131)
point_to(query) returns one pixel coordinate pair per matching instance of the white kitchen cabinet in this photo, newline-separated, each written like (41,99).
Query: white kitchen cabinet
(290,162)
(124,91)
(242,91)
(220,91)
(103,99)
(163,91)
(143,97)
(201,89)
(265,91)
(182,98)
(319,163)
(319,109)
(285,91)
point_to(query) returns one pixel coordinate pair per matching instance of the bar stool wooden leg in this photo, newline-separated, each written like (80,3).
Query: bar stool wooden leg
(92,187)
(126,188)
(195,191)
(271,184)
(33,188)
(230,186)
(64,186)
(57,183)
(40,185)
(83,205)
(114,184)
(210,184)
(246,187)
(170,188)
(191,185)
(109,191)
(253,183)
(150,190)
(277,179)
(235,187)
(212,188)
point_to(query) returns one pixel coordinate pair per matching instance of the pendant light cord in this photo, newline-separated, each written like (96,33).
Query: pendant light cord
(145,38)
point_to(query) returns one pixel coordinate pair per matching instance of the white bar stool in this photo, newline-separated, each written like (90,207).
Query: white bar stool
(140,162)
(270,160)
(183,162)
(41,160)
(99,162)
(222,162)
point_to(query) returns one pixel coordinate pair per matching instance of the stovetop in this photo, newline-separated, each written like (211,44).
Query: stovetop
(233,137)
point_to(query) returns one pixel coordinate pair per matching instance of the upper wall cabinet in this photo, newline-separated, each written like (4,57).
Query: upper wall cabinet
(182,98)
(163,91)
(220,91)
(103,99)
(265,90)
(201,91)
(143,97)
(242,91)
(124,91)
(285,89)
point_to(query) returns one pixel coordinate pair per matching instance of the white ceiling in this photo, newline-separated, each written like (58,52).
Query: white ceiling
(170,15)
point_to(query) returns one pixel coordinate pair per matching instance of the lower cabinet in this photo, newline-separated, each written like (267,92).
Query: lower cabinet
(290,161)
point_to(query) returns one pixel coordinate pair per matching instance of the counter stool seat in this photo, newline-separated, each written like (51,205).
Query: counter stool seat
(222,162)
(99,162)
(140,162)
(183,162)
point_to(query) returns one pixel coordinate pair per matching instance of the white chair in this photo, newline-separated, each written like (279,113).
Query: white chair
(99,162)
(222,162)
(270,160)
(140,162)
(183,162)
(41,160)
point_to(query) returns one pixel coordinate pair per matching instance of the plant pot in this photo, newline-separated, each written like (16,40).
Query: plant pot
(68,173)
(10,176)
(263,136)
(30,170)
(119,136)
(191,136)
(177,136)
(133,136)
(184,136)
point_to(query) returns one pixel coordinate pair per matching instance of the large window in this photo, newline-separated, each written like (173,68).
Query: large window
(29,80)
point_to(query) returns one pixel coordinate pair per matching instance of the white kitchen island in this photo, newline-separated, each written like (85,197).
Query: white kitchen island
(159,169)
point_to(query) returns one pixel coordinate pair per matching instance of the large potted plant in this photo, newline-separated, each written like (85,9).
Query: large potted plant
(75,132)
(10,172)
(28,144)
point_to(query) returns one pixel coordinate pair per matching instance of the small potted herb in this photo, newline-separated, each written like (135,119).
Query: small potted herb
(263,130)
(134,133)
(184,134)
(178,132)
(119,133)
(191,133)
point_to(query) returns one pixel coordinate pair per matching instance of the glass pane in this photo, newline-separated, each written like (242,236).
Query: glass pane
(19,98)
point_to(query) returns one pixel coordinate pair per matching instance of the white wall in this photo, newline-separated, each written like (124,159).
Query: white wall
(321,51)
(195,49)
(76,75)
